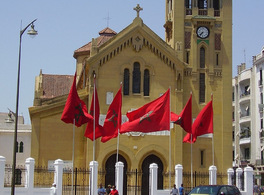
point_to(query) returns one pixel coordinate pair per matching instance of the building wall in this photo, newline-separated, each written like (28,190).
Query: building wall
(7,127)
(248,92)
(52,139)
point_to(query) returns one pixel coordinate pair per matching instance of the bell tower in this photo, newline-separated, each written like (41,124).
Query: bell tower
(200,31)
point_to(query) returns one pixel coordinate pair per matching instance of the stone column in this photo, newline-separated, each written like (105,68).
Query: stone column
(212,175)
(93,177)
(119,177)
(230,175)
(153,177)
(239,172)
(178,175)
(58,175)
(30,165)
(248,181)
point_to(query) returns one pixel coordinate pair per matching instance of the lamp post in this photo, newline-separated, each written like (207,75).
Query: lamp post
(31,32)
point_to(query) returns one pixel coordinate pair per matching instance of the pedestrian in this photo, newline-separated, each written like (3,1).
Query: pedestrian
(101,190)
(174,190)
(181,190)
(108,189)
(53,189)
(114,191)
(256,189)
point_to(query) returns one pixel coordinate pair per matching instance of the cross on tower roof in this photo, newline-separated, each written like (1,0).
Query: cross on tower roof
(138,9)
(108,18)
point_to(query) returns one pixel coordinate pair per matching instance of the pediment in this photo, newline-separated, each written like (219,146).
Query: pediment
(135,36)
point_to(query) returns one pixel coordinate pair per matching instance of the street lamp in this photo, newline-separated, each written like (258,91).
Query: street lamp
(31,32)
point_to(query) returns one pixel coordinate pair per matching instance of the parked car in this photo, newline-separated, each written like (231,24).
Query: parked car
(215,190)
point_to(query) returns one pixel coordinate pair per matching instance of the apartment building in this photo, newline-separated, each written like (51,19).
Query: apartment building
(248,134)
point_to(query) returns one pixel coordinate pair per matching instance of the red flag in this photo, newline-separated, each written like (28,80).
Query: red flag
(203,124)
(113,118)
(174,117)
(154,116)
(75,108)
(185,117)
(95,112)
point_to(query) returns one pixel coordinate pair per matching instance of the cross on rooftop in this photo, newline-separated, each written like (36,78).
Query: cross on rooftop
(108,18)
(138,9)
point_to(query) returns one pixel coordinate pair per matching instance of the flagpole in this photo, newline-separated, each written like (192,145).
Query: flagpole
(213,146)
(191,163)
(73,143)
(94,122)
(212,133)
(170,144)
(191,156)
(118,129)
(117,147)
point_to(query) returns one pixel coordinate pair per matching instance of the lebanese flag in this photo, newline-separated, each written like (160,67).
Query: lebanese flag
(154,116)
(113,118)
(184,119)
(203,124)
(95,112)
(75,108)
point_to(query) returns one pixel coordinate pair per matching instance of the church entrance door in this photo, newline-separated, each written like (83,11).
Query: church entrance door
(110,171)
(145,173)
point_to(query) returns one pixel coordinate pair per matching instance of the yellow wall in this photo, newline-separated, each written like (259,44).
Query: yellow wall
(52,139)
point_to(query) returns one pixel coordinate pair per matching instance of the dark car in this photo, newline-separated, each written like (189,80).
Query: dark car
(215,190)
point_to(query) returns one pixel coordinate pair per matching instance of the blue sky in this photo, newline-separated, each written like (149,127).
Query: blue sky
(66,25)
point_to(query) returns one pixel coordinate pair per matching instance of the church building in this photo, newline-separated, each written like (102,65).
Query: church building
(194,57)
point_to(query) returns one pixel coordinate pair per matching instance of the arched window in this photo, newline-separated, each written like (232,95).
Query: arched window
(202,57)
(146,82)
(216,5)
(202,4)
(188,3)
(126,82)
(21,147)
(170,5)
(202,88)
(136,78)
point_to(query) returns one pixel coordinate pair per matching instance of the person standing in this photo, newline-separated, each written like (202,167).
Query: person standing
(101,190)
(114,191)
(181,190)
(174,190)
(108,189)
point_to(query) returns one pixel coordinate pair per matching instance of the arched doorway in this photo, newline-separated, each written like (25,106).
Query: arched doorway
(145,173)
(110,171)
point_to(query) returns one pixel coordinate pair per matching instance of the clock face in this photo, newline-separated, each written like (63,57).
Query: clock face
(202,32)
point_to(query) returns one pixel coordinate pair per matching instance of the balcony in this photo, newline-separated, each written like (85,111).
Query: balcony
(202,12)
(217,13)
(244,162)
(261,136)
(188,11)
(244,96)
(261,106)
(260,83)
(259,162)
(244,141)
(245,118)
(245,134)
